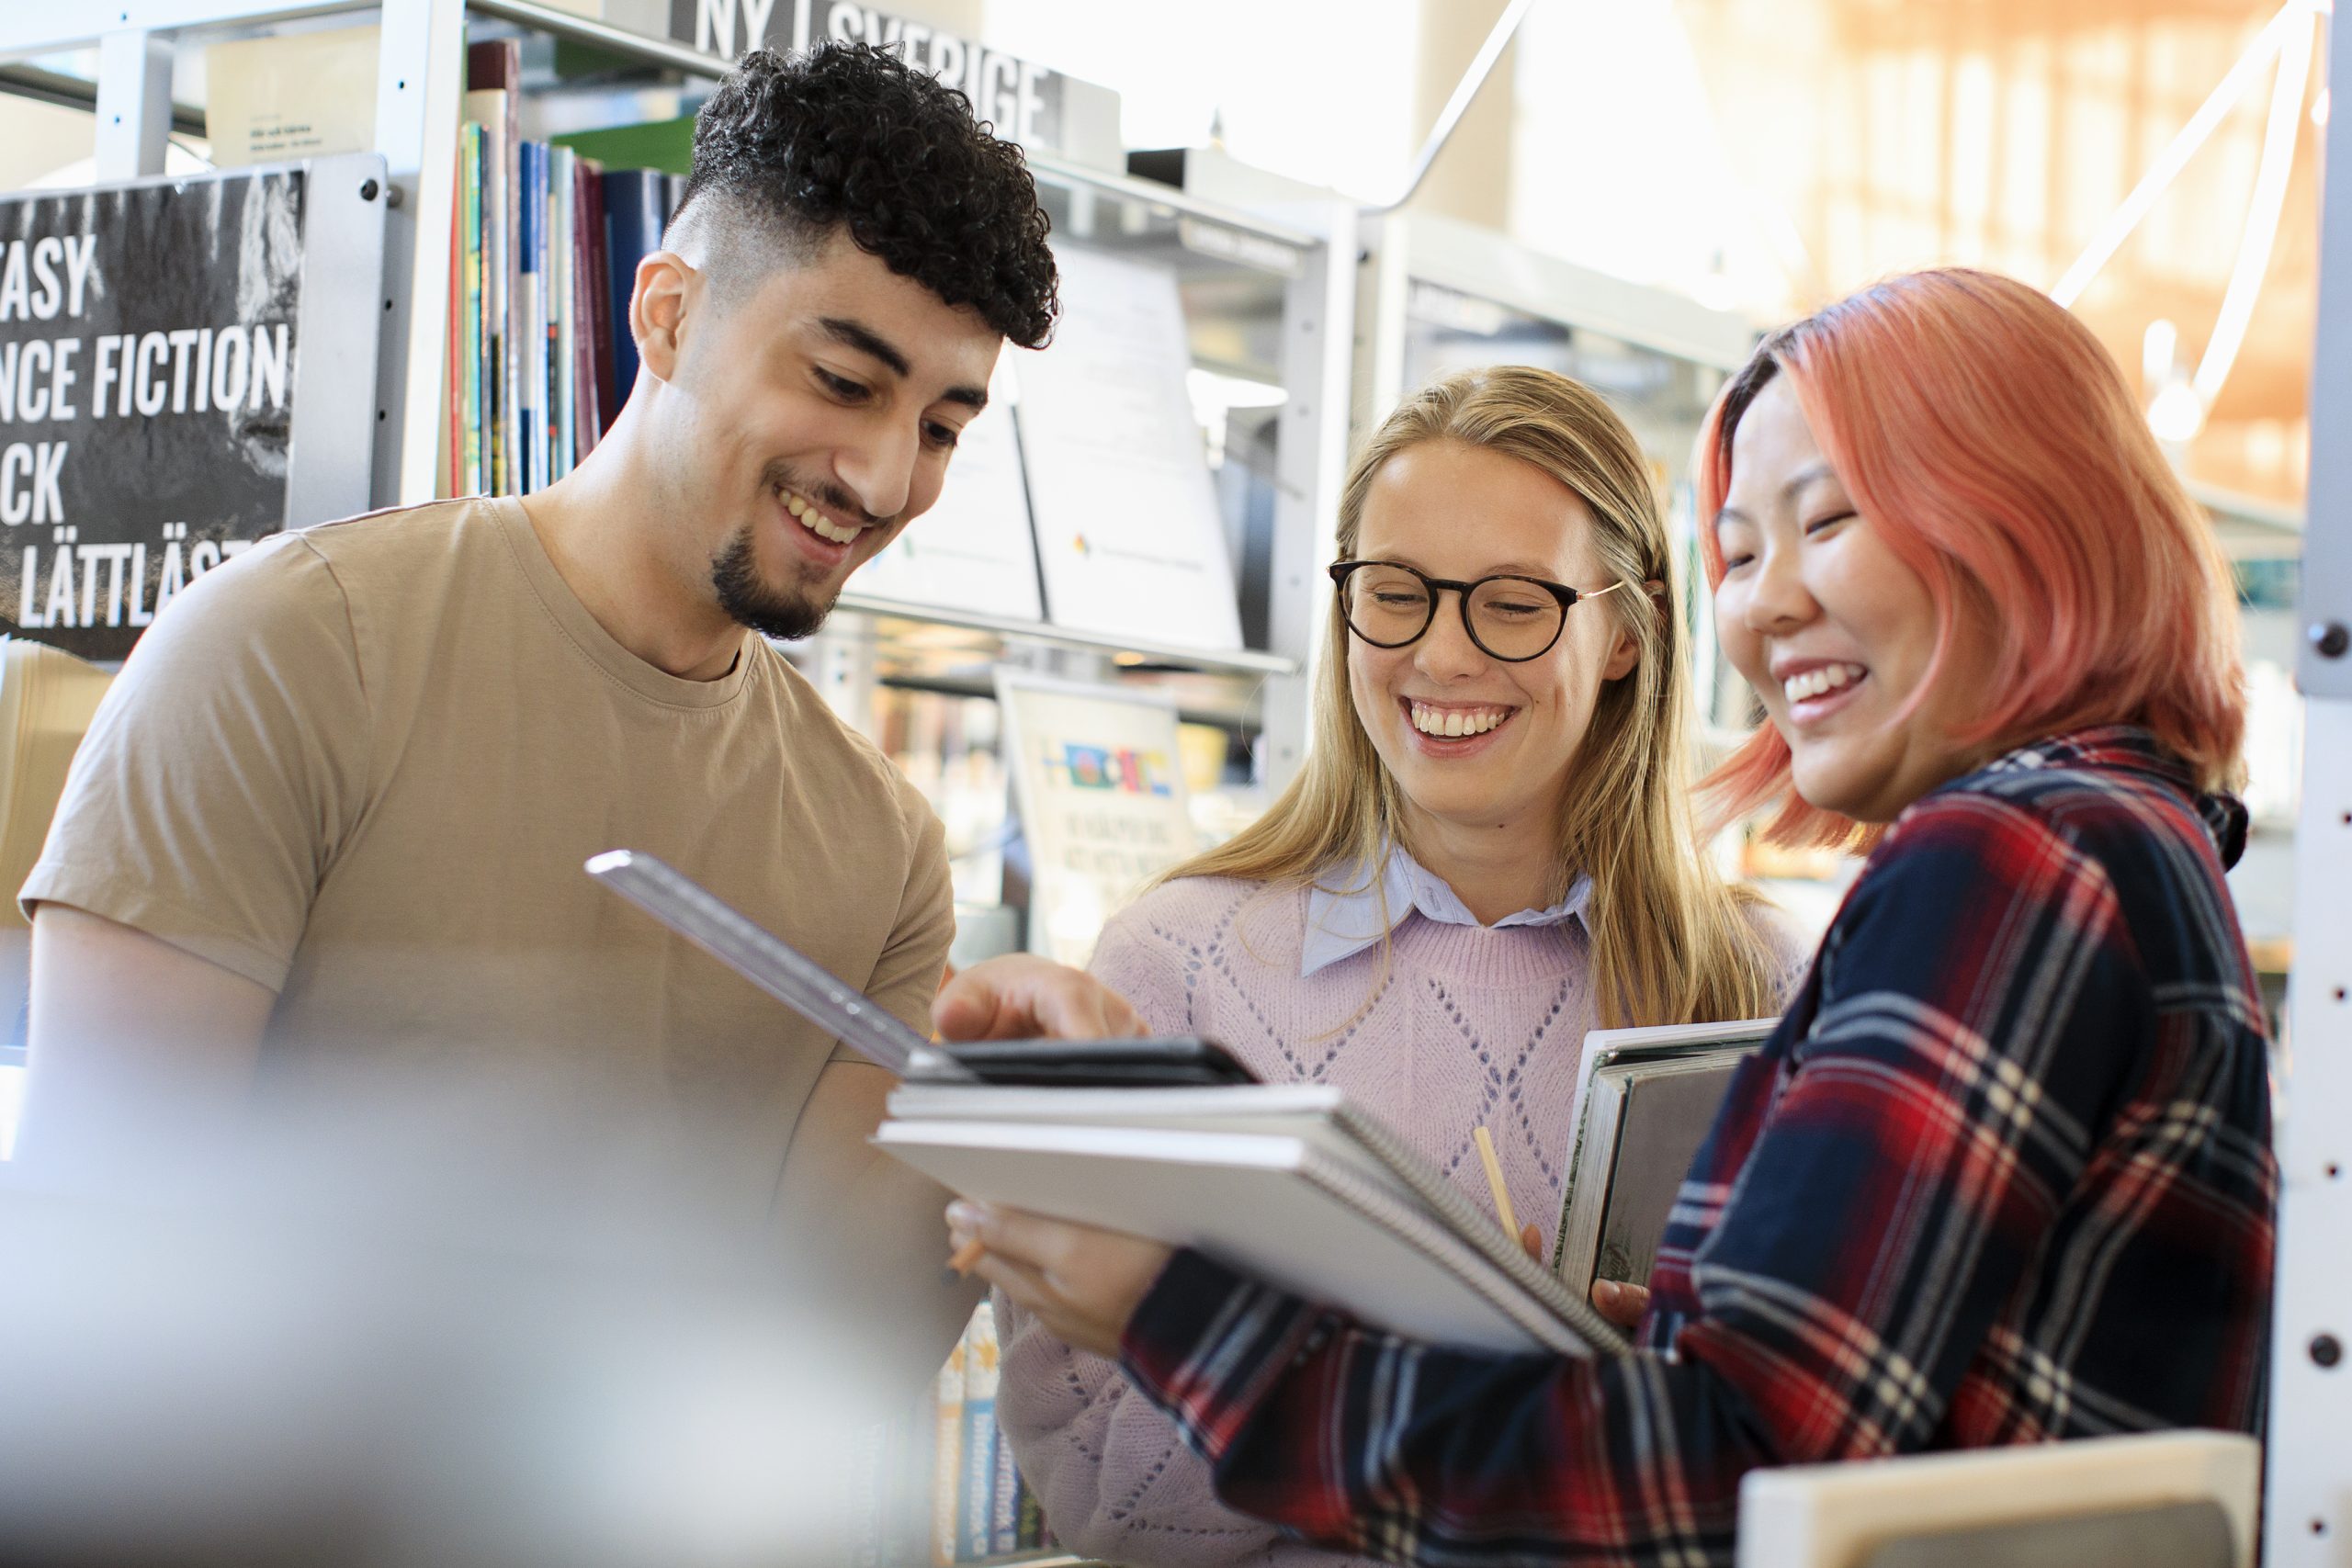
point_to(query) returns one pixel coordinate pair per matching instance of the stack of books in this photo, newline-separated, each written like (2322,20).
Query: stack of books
(1288,1182)
(1646,1100)
(1296,1186)
(542,255)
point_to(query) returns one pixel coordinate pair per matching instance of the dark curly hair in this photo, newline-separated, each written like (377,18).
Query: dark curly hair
(848,136)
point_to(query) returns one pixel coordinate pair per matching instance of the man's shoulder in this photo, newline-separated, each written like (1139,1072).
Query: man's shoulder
(350,558)
(820,747)
(401,539)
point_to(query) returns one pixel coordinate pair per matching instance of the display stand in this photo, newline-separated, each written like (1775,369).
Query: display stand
(2308,1514)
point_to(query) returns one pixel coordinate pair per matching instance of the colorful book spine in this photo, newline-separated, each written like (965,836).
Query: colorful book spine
(474,477)
(496,64)
(1005,1501)
(487,109)
(946,1462)
(976,1508)
(453,383)
(530,316)
(600,301)
(636,209)
(563,326)
(1031,1534)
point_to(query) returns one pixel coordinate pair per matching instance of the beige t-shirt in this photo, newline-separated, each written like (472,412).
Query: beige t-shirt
(362,765)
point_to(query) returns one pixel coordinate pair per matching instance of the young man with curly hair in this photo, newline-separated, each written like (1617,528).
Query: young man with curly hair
(328,827)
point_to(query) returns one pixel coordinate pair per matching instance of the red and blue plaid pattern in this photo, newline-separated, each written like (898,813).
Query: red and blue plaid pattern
(2003,1175)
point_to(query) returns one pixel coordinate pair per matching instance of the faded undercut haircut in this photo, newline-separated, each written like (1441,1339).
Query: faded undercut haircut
(847,137)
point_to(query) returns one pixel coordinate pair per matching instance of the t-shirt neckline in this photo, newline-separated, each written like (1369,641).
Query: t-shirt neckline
(588,635)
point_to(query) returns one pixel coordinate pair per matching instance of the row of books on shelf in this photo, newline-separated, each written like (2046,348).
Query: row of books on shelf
(543,254)
(543,260)
(981,1508)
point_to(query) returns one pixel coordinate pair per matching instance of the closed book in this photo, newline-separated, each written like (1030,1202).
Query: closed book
(947,1455)
(473,149)
(579,314)
(1004,1502)
(974,1503)
(495,65)
(491,109)
(563,315)
(598,288)
(453,386)
(1031,1514)
(530,317)
(1644,1101)
(636,209)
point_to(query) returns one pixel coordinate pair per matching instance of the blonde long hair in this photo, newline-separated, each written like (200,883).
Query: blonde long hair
(1671,942)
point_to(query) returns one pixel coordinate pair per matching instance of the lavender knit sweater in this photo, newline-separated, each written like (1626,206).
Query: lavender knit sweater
(1471,1025)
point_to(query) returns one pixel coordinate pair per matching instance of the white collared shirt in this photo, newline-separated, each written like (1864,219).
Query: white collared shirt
(1342,924)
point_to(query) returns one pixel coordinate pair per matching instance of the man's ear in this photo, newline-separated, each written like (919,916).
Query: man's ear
(666,285)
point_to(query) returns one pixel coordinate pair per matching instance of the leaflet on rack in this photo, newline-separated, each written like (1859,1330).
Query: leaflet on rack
(1127,525)
(973,550)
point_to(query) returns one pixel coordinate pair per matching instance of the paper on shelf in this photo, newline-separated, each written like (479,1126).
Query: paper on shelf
(973,549)
(1128,524)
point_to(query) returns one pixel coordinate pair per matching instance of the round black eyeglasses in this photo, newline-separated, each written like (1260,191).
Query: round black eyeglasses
(1509,617)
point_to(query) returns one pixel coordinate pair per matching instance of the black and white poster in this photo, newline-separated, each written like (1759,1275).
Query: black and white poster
(151,362)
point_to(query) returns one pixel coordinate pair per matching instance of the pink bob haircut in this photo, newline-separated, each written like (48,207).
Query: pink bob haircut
(1990,441)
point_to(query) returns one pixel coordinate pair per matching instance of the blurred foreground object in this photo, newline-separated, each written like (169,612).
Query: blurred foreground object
(402,1337)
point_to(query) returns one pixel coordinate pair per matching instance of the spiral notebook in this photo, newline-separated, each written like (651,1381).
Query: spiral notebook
(1287,1182)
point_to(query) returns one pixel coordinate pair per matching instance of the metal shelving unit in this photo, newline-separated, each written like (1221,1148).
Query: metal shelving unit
(1262,301)
(1436,295)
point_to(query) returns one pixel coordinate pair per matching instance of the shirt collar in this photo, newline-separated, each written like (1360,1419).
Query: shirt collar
(1340,924)
(2126,748)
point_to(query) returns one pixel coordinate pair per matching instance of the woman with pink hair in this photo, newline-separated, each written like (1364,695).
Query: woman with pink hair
(2002,1174)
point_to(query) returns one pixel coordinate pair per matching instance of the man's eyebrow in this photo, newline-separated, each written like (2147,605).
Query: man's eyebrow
(865,340)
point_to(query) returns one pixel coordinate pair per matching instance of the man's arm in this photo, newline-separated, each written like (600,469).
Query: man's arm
(869,1236)
(128,1036)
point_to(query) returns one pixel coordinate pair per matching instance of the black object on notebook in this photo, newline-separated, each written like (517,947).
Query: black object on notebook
(860,1022)
(1164,1062)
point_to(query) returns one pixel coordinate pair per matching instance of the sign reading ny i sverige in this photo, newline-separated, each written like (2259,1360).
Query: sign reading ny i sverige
(147,366)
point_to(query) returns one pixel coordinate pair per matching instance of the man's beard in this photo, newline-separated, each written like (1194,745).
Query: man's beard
(735,575)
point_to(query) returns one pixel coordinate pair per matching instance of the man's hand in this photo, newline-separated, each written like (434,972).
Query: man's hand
(1020,996)
(1082,1283)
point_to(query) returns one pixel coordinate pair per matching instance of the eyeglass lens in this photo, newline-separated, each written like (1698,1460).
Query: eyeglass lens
(1389,607)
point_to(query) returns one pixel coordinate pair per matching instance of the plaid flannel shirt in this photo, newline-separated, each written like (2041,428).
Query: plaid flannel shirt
(2002,1175)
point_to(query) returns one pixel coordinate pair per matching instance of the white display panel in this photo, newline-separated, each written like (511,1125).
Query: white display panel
(1127,528)
(1099,777)
(973,550)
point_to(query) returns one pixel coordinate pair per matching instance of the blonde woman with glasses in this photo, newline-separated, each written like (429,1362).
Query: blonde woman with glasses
(1488,852)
